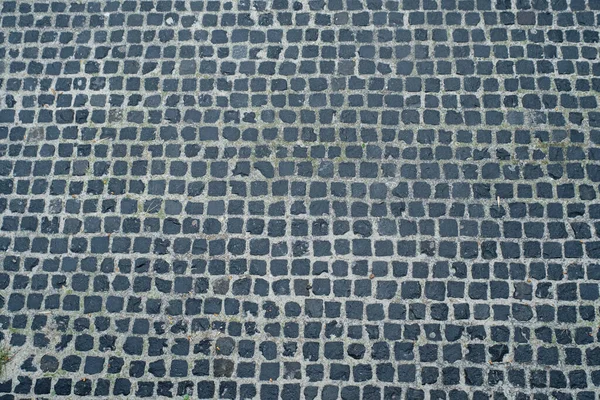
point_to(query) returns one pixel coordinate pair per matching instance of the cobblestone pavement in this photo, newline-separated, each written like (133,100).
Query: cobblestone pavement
(355,199)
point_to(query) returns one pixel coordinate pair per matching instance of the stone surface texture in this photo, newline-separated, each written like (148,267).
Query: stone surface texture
(341,199)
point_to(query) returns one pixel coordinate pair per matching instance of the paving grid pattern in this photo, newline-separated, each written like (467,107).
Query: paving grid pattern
(300,199)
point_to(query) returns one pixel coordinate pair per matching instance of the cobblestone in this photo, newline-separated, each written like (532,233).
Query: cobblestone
(355,199)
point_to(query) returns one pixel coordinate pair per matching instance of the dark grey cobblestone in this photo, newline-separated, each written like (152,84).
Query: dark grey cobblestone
(300,199)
